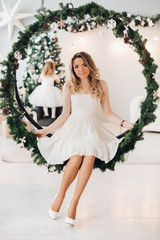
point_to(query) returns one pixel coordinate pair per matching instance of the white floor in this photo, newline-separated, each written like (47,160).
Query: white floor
(119,205)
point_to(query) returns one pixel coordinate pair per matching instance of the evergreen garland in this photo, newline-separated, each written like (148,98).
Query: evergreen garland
(96,15)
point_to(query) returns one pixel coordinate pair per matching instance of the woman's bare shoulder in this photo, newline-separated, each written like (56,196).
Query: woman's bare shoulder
(104,85)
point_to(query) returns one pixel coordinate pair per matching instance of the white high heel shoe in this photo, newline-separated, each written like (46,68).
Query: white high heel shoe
(53,214)
(68,220)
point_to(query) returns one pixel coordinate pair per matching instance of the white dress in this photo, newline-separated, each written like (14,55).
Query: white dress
(46,94)
(82,134)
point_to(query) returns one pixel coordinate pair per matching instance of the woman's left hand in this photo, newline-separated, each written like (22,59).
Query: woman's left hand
(40,133)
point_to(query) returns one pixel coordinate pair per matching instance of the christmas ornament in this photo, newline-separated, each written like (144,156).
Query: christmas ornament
(29,51)
(150,23)
(156,75)
(111,23)
(22,143)
(37,39)
(126,38)
(69,28)
(142,23)
(11,18)
(42,35)
(18,55)
(138,18)
(61,23)
(69,5)
(43,10)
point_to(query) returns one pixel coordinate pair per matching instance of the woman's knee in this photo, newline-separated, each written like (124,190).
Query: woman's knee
(89,159)
(76,159)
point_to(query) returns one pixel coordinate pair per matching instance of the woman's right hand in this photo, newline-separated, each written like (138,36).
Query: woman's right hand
(58,80)
(128,125)
(41,133)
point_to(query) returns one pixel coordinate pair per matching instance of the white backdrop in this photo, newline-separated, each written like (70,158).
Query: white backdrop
(118,64)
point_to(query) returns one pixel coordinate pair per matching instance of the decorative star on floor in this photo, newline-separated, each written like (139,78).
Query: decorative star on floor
(10,17)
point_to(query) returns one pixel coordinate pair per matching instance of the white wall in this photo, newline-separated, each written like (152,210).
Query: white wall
(118,64)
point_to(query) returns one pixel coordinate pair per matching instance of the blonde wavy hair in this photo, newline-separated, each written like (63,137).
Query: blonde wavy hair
(49,68)
(96,88)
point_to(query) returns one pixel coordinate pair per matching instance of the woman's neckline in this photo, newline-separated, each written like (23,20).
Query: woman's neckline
(81,94)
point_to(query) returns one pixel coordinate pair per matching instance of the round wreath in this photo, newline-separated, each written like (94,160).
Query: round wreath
(97,16)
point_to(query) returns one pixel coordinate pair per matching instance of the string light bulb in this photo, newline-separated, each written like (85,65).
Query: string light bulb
(73,46)
(156,38)
(82,38)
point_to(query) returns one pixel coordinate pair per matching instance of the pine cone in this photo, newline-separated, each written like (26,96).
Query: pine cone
(45,26)
(143,60)
(126,39)
(5,110)
(4,84)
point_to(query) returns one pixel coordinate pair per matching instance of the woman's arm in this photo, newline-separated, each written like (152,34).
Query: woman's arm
(107,111)
(62,118)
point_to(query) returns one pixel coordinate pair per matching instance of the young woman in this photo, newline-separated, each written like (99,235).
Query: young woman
(46,94)
(79,135)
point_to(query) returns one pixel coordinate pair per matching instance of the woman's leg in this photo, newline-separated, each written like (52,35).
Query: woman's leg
(69,175)
(45,109)
(53,112)
(83,177)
